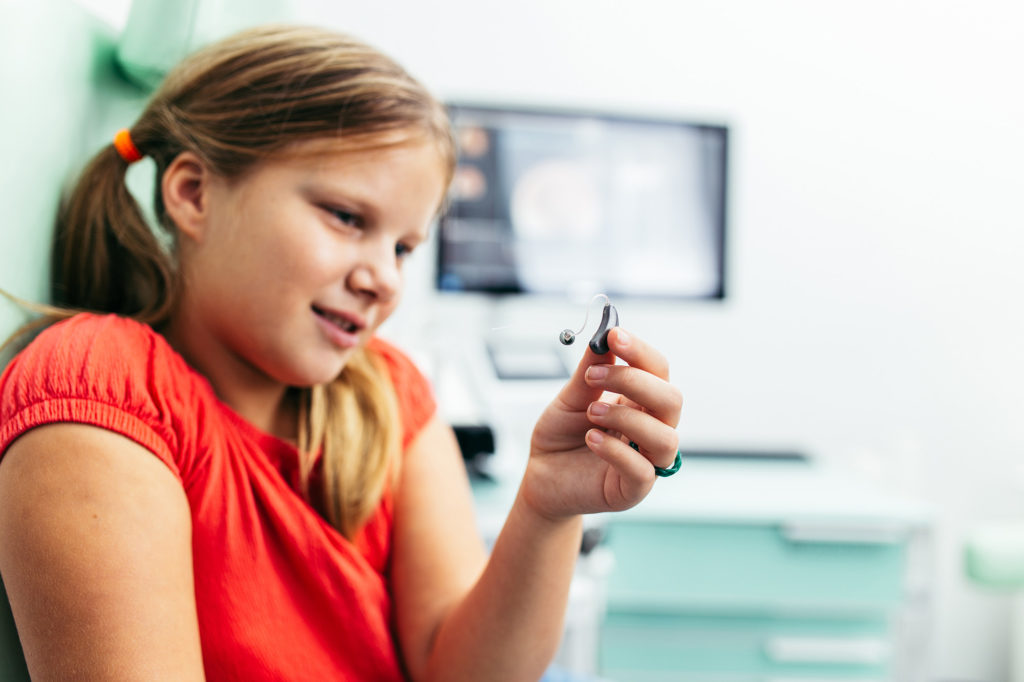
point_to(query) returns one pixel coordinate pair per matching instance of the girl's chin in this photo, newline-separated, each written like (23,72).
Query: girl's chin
(312,372)
(329,370)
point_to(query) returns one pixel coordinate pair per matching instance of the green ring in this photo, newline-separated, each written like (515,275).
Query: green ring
(676,465)
(658,471)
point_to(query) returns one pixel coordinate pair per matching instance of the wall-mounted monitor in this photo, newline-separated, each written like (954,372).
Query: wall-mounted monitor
(570,203)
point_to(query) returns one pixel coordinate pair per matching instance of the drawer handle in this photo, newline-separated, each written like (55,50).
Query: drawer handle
(824,679)
(858,534)
(857,650)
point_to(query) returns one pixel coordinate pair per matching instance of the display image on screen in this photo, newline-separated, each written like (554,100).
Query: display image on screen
(567,204)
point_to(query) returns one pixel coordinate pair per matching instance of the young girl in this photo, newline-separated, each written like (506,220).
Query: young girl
(218,471)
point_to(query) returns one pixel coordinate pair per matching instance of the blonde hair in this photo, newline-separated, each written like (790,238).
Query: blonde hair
(236,104)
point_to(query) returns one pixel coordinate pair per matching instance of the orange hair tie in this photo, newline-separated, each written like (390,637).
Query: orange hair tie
(125,147)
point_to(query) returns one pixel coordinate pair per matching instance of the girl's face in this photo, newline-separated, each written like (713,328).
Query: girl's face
(300,260)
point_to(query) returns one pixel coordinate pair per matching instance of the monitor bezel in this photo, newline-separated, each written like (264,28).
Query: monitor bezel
(456,108)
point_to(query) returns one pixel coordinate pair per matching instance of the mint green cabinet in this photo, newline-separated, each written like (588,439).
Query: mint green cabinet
(665,564)
(764,573)
(709,646)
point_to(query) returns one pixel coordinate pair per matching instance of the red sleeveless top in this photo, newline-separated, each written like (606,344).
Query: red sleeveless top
(281,595)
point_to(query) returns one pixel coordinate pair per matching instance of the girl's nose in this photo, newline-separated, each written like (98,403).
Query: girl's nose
(377,275)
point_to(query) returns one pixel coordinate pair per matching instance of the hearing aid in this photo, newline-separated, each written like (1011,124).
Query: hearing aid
(599,341)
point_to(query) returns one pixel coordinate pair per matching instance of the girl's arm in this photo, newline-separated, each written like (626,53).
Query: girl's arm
(454,622)
(504,622)
(96,557)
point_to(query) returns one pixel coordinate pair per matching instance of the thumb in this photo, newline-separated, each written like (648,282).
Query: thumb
(577,394)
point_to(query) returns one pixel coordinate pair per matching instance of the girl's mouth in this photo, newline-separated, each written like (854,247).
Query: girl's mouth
(343,322)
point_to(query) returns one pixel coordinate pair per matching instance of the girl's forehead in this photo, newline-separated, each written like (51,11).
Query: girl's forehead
(325,158)
(358,148)
(405,165)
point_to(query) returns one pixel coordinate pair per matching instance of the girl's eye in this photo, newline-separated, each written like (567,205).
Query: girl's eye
(345,217)
(402,250)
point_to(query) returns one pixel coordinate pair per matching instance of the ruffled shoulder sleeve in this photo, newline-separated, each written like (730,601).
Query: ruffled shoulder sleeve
(105,371)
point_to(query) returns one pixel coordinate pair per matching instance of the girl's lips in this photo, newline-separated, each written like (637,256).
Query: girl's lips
(340,328)
(348,321)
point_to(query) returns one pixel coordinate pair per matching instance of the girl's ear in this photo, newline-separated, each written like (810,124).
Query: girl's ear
(185,190)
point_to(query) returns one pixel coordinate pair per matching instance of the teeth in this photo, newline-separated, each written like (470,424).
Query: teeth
(347,325)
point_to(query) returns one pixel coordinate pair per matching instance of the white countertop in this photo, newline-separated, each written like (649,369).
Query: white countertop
(747,490)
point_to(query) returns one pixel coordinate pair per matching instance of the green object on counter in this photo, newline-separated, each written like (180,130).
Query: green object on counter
(159,34)
(994,555)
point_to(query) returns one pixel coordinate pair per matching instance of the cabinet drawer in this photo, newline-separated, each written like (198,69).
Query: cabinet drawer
(767,568)
(638,647)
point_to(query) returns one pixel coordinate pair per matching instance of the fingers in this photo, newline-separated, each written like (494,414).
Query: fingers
(577,394)
(635,352)
(658,397)
(643,380)
(649,413)
(657,442)
(631,465)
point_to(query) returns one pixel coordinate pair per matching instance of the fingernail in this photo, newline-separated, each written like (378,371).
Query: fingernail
(595,436)
(622,337)
(597,372)
(598,409)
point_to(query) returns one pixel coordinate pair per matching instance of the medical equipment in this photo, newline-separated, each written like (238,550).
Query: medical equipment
(599,341)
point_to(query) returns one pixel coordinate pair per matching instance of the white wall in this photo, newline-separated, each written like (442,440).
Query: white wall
(877,224)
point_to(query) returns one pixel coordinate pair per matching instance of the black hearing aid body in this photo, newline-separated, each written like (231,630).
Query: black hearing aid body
(609,319)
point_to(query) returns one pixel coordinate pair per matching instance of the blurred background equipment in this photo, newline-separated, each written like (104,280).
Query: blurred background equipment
(562,203)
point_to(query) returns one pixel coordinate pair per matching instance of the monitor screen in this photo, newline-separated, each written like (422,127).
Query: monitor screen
(571,204)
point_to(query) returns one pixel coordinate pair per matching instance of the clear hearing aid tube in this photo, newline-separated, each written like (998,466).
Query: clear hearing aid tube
(599,341)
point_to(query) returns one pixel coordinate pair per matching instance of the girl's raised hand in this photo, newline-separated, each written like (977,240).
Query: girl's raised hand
(581,460)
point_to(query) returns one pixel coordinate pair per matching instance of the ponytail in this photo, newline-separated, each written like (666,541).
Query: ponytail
(105,256)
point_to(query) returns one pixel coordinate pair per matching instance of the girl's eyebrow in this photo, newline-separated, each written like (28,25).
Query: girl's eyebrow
(338,197)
